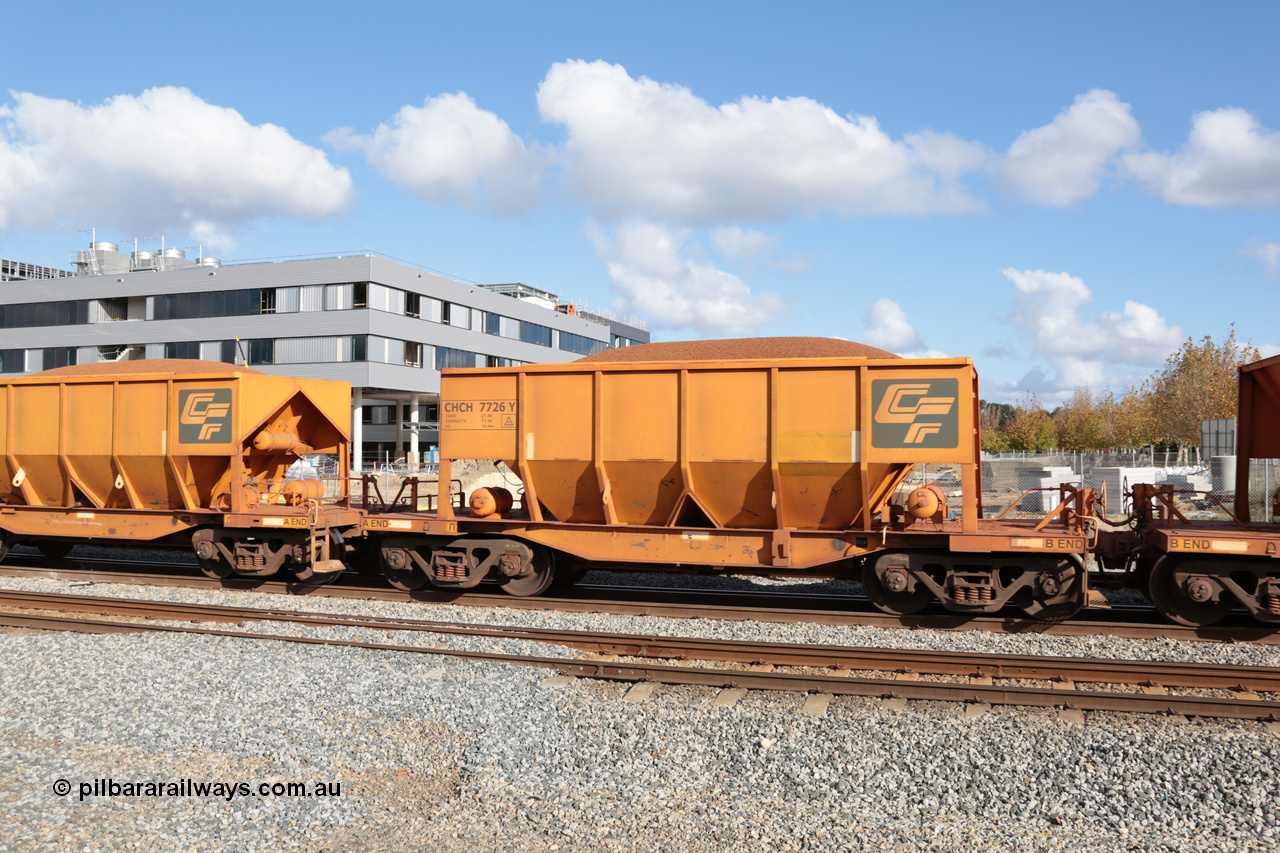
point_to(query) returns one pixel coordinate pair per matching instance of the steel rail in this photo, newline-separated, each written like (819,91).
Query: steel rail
(701,607)
(1036,667)
(1083,700)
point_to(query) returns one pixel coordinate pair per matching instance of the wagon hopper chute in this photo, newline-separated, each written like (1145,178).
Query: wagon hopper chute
(175,451)
(766,464)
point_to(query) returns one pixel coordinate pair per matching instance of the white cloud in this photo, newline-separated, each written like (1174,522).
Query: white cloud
(1267,253)
(748,244)
(450,150)
(885,326)
(1084,351)
(794,264)
(160,159)
(1229,160)
(1064,162)
(734,242)
(654,277)
(637,147)
(1268,350)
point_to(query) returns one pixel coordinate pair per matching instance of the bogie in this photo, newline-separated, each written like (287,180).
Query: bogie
(313,556)
(1044,588)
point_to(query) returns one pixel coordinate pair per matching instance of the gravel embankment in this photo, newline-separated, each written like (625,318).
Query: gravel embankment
(436,753)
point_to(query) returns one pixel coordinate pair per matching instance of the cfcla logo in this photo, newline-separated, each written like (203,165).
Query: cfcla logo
(203,415)
(919,413)
(906,401)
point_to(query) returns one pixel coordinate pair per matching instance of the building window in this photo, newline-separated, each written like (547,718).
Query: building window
(499,361)
(59,357)
(444,312)
(182,349)
(580,344)
(112,310)
(214,303)
(261,350)
(70,313)
(375,414)
(371,414)
(412,354)
(532,333)
(339,297)
(13,361)
(446,357)
(492,323)
(267,301)
(359,347)
(413,305)
(360,294)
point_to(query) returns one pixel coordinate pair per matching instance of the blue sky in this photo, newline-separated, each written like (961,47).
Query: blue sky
(1061,193)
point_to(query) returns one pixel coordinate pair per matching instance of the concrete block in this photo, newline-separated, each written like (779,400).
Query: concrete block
(729,696)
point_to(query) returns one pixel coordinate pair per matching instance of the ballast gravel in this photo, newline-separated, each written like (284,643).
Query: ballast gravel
(438,753)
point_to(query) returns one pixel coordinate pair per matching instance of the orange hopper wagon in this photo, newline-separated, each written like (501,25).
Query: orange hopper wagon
(750,462)
(175,451)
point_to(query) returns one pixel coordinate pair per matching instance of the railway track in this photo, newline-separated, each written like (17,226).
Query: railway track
(773,605)
(823,670)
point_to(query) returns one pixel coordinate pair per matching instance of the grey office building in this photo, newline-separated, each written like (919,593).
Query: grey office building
(385,326)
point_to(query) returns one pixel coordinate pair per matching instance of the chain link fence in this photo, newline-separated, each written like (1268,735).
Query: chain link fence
(1007,477)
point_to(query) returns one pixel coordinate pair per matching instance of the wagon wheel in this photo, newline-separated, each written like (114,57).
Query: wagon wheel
(211,561)
(535,581)
(216,568)
(897,603)
(55,549)
(400,570)
(1064,610)
(1169,593)
(569,571)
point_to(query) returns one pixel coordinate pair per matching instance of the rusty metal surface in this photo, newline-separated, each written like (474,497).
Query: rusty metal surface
(1256,435)
(1040,667)
(699,604)
(792,444)
(1218,539)
(115,440)
(832,684)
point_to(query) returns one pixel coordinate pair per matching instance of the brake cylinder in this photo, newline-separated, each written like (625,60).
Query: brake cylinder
(486,503)
(279,441)
(298,492)
(926,502)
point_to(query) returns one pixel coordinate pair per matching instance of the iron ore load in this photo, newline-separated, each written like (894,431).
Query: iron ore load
(795,457)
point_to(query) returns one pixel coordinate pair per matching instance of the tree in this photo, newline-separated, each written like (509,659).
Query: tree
(1198,381)
(1081,423)
(1132,420)
(1031,427)
(991,420)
